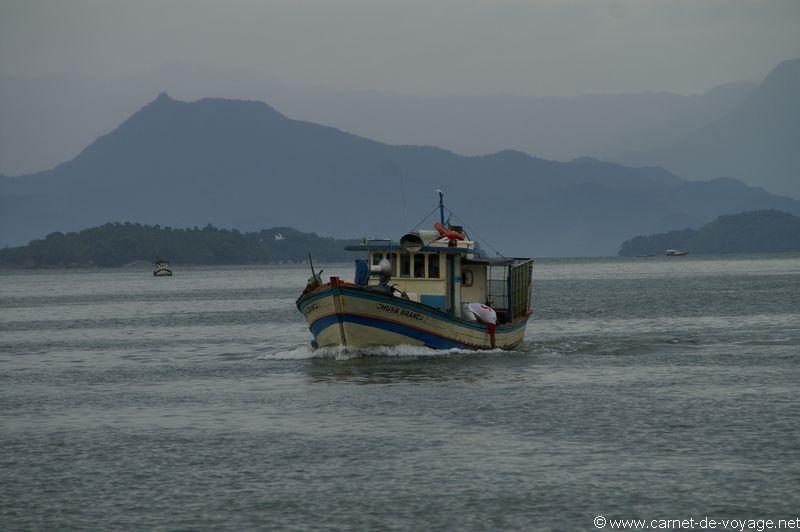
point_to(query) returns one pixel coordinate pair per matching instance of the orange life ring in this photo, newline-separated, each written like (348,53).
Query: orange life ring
(452,235)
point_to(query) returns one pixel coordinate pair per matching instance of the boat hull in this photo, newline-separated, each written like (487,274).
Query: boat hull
(341,314)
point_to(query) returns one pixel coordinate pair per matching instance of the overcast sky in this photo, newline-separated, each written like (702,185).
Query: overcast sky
(434,47)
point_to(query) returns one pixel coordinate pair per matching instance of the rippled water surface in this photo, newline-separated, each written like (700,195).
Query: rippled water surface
(653,388)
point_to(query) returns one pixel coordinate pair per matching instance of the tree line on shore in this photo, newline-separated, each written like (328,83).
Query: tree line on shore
(762,231)
(118,244)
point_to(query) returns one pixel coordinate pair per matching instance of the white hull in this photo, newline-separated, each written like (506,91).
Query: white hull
(341,314)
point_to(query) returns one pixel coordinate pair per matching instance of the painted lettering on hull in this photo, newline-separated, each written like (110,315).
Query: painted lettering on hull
(311,308)
(400,312)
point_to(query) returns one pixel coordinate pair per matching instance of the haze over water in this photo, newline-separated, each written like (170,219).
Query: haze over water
(646,388)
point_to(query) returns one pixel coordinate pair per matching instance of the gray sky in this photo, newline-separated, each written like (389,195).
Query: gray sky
(434,47)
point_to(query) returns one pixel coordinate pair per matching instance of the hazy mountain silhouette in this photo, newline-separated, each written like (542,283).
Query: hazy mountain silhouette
(242,164)
(44,121)
(758,141)
(560,128)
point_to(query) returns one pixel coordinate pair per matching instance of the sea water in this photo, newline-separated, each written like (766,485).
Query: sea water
(653,388)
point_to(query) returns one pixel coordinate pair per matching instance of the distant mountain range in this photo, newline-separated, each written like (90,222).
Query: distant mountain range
(743,130)
(243,164)
(45,121)
(748,232)
(758,141)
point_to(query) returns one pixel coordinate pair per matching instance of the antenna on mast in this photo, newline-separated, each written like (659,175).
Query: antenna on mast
(441,206)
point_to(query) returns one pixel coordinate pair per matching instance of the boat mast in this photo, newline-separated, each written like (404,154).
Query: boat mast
(441,206)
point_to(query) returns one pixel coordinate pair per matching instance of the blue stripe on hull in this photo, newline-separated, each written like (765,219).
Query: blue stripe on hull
(430,340)
(305,300)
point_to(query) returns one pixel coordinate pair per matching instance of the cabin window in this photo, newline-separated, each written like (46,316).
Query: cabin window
(405,265)
(377,258)
(433,266)
(419,265)
(467,278)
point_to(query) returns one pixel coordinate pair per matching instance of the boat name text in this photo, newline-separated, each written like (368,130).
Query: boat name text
(401,312)
(311,308)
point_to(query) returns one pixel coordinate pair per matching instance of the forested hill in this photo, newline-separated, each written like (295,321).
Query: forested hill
(117,244)
(748,232)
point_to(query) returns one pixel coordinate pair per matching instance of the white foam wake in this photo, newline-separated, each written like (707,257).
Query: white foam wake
(345,353)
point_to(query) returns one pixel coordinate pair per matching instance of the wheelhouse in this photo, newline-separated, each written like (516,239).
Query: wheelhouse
(448,274)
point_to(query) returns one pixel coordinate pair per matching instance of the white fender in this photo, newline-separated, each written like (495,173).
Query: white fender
(484,313)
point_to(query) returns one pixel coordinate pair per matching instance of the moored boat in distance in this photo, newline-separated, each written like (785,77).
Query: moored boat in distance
(161,268)
(675,253)
(433,288)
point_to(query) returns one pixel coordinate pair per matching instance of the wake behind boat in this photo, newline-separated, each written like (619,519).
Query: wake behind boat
(433,288)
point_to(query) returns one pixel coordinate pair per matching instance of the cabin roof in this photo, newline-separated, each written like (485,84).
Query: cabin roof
(393,246)
(477,255)
(497,261)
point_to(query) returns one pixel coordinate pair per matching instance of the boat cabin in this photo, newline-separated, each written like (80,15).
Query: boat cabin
(446,270)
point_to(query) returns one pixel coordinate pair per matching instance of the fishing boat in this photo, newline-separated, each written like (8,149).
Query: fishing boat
(161,268)
(675,253)
(433,288)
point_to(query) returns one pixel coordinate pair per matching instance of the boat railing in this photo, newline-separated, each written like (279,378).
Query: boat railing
(519,287)
(509,288)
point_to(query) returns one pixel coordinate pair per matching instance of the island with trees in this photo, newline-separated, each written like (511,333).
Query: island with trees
(119,244)
(762,231)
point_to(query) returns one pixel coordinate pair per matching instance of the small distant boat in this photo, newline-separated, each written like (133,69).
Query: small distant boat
(162,269)
(675,253)
(434,288)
